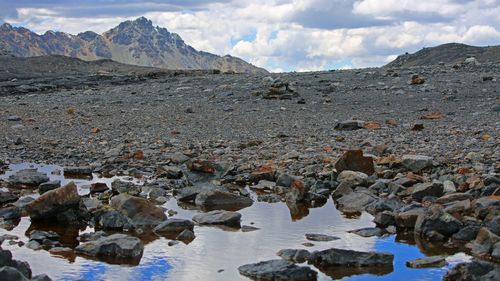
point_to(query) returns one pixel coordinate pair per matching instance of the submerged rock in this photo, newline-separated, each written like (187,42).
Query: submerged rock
(277,270)
(118,246)
(320,237)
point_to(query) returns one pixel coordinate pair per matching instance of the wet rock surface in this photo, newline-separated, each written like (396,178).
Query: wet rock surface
(277,270)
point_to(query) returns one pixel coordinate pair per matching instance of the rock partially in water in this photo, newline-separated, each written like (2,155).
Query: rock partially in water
(484,243)
(47,186)
(10,213)
(368,232)
(320,237)
(434,261)
(29,177)
(140,211)
(9,273)
(434,220)
(474,271)
(54,202)
(174,226)
(341,257)
(20,266)
(186,236)
(294,255)
(222,200)
(116,246)
(356,201)
(277,270)
(219,217)
(113,220)
(78,171)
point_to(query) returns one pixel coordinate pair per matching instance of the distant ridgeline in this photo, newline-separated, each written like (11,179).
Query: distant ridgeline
(135,42)
(451,53)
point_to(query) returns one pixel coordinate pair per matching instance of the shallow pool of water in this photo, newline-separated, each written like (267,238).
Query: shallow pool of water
(216,253)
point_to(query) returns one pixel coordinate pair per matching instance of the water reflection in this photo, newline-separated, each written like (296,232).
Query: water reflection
(216,252)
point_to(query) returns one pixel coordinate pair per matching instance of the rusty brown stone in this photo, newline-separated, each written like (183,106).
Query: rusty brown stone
(353,160)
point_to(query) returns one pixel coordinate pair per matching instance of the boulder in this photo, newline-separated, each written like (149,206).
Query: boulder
(46,186)
(416,163)
(30,177)
(356,201)
(174,225)
(186,236)
(140,211)
(119,186)
(484,243)
(119,246)
(218,217)
(341,257)
(53,202)
(114,220)
(221,199)
(7,197)
(434,261)
(407,218)
(11,274)
(294,255)
(10,213)
(352,178)
(435,219)
(422,190)
(277,270)
(474,271)
(353,160)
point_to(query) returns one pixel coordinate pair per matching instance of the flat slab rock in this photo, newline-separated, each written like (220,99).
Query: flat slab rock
(434,261)
(119,246)
(29,177)
(277,270)
(320,237)
(341,257)
(218,217)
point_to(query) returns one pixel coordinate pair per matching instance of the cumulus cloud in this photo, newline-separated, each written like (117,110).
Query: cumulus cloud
(283,35)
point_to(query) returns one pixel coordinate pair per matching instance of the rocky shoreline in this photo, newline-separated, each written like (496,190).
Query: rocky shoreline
(417,148)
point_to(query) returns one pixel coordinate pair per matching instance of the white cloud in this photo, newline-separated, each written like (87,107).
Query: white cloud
(302,34)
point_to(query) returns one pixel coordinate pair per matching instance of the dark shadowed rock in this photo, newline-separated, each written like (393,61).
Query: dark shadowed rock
(119,246)
(7,197)
(434,261)
(218,217)
(10,213)
(50,185)
(139,210)
(407,218)
(9,273)
(78,171)
(341,257)
(294,255)
(114,220)
(353,160)
(277,270)
(30,177)
(427,189)
(186,236)
(53,202)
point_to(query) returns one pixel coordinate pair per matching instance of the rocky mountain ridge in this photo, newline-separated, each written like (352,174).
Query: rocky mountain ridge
(450,53)
(135,42)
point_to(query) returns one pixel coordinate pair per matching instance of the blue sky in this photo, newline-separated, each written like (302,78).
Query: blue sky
(282,35)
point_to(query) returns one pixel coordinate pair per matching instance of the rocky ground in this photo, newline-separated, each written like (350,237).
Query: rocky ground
(418,148)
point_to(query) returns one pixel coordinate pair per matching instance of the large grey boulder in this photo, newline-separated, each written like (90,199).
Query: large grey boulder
(119,246)
(219,217)
(174,226)
(277,270)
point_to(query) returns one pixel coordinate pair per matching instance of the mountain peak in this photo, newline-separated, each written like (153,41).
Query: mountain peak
(6,26)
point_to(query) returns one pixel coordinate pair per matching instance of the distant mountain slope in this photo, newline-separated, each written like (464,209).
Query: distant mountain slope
(450,53)
(131,42)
